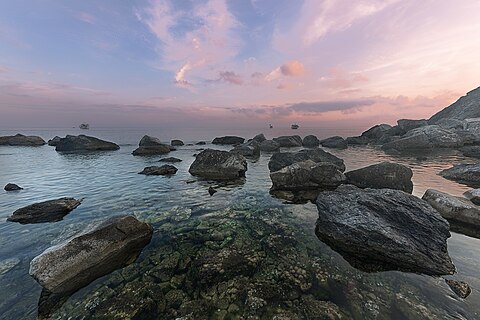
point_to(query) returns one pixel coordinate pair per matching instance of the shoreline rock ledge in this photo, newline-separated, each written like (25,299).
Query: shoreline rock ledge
(384,229)
(46,211)
(75,263)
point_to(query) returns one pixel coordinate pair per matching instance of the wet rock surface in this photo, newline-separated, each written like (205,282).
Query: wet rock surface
(471,151)
(383,229)
(259,138)
(468,174)
(170,159)
(249,150)
(75,263)
(269,146)
(382,175)
(282,159)
(231,140)
(159,170)
(310,141)
(47,211)
(54,141)
(84,143)
(461,289)
(334,143)
(12,187)
(219,165)
(151,146)
(473,196)
(22,141)
(289,141)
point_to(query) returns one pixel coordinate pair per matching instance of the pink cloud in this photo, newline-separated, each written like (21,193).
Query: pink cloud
(86,17)
(231,77)
(338,78)
(292,68)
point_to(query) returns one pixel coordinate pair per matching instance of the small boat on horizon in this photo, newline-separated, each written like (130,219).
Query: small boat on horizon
(295,126)
(84,126)
(271,126)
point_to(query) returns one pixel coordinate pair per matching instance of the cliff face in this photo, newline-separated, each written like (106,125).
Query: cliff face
(466,107)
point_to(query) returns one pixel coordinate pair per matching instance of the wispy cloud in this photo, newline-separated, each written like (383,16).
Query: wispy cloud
(86,18)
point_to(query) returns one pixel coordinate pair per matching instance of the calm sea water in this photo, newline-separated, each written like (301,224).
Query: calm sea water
(110,185)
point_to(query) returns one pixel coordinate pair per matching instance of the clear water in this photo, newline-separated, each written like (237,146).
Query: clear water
(244,214)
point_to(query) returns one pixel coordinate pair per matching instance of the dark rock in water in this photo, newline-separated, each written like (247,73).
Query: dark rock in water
(384,229)
(12,187)
(296,196)
(200,143)
(269,146)
(211,191)
(455,209)
(357,141)
(228,140)
(176,143)
(21,140)
(471,151)
(376,132)
(170,159)
(47,211)
(466,107)
(280,160)
(53,142)
(166,169)
(151,146)
(334,143)
(219,165)
(249,150)
(307,175)
(310,141)
(259,138)
(461,289)
(408,124)
(468,174)
(84,143)
(382,175)
(289,141)
(473,196)
(75,263)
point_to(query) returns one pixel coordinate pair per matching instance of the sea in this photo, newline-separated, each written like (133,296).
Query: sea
(239,254)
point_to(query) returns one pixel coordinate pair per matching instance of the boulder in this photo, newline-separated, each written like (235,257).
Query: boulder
(456,210)
(200,143)
(360,141)
(219,165)
(170,159)
(473,196)
(425,138)
(310,141)
(47,211)
(249,150)
(259,138)
(460,288)
(471,151)
(384,229)
(280,160)
(21,140)
(382,175)
(98,251)
(335,142)
(269,146)
(289,141)
(159,171)
(176,143)
(84,143)
(408,124)
(468,174)
(466,107)
(151,146)
(12,187)
(376,132)
(307,175)
(53,142)
(231,140)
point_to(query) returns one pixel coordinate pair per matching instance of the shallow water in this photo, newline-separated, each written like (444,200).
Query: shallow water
(240,220)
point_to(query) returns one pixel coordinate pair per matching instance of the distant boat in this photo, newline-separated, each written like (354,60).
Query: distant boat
(85,126)
(295,126)
(270,126)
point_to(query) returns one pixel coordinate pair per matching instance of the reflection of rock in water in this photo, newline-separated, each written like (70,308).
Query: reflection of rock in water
(49,302)
(296,197)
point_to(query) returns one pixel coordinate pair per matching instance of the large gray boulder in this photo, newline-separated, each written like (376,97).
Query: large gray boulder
(96,252)
(289,141)
(166,169)
(231,140)
(54,141)
(22,141)
(310,141)
(307,175)
(376,132)
(84,143)
(468,174)
(46,211)
(335,142)
(259,138)
(149,146)
(408,124)
(360,141)
(384,229)
(249,149)
(269,146)
(382,175)
(471,151)
(280,160)
(219,165)
(466,107)
(176,143)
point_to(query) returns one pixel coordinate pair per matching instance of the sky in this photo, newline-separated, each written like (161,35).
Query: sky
(234,62)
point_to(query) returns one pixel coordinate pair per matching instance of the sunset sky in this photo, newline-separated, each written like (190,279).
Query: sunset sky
(181,62)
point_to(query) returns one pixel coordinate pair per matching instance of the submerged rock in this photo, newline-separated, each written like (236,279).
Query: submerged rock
(289,141)
(310,141)
(12,187)
(335,142)
(461,289)
(464,173)
(47,211)
(228,140)
(384,229)
(166,169)
(269,146)
(249,150)
(21,140)
(382,175)
(151,146)
(75,263)
(170,159)
(307,175)
(84,143)
(176,143)
(53,142)
(282,159)
(473,196)
(219,165)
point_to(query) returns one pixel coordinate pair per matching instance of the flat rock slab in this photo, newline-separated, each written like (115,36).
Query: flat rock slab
(47,211)
(468,174)
(170,159)
(219,165)
(106,247)
(384,229)
(382,175)
(159,171)
(21,141)
(83,143)
(230,140)
(282,159)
